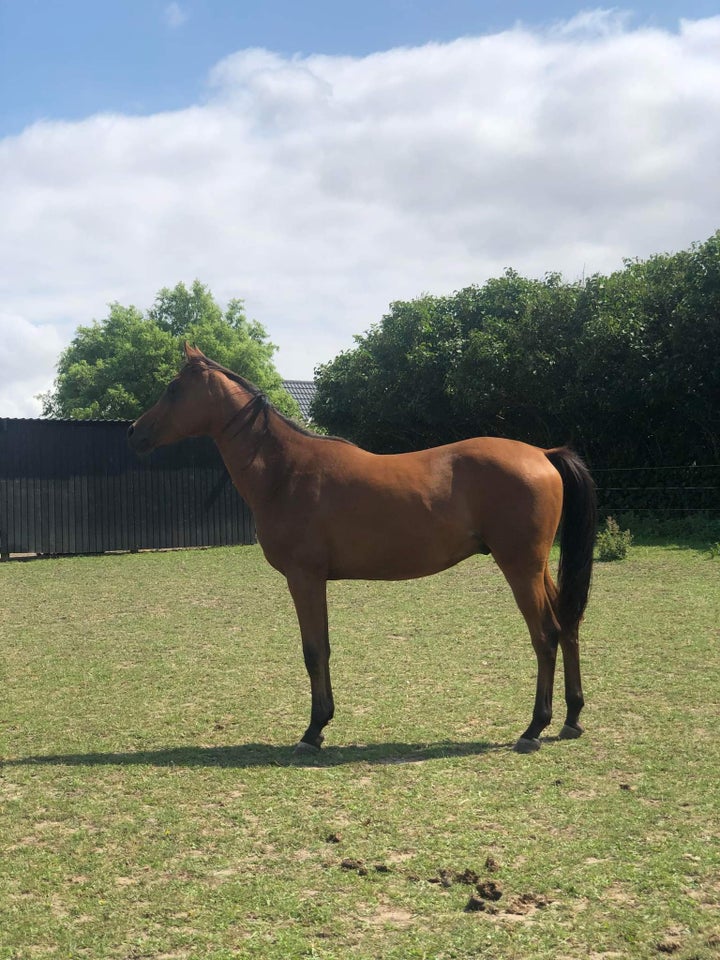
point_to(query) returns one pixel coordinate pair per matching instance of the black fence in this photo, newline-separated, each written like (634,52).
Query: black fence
(72,487)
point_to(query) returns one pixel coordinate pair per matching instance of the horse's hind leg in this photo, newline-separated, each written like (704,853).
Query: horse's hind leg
(572,728)
(534,595)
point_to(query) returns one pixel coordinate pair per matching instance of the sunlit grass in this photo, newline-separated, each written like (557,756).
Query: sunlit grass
(151,805)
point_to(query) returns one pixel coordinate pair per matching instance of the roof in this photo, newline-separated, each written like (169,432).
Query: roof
(303,391)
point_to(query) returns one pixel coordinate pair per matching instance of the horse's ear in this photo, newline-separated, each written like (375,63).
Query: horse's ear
(192,353)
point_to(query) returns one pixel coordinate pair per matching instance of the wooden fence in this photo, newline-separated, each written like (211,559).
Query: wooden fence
(73,487)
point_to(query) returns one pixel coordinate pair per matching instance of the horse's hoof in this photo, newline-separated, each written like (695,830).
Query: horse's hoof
(304,747)
(526,746)
(570,733)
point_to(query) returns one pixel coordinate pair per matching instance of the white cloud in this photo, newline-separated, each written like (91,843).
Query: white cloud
(28,353)
(175,16)
(321,188)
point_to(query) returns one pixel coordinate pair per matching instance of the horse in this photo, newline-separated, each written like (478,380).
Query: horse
(326,509)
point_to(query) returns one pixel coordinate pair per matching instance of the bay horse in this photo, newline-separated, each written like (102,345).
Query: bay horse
(326,510)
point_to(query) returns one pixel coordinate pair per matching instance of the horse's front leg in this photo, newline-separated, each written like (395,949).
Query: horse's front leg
(309,594)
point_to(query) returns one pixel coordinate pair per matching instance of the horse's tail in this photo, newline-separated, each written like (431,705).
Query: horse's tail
(577,535)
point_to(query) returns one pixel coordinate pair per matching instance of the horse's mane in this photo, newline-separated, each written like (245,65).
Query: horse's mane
(263,402)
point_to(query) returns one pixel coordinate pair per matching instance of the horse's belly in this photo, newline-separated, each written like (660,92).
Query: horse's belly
(382,556)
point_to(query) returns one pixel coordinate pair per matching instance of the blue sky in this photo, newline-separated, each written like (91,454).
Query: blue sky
(320,159)
(72,58)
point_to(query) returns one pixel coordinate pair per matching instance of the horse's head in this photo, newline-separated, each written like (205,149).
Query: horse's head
(182,411)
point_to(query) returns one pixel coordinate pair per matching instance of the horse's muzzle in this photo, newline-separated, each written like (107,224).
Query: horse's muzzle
(139,441)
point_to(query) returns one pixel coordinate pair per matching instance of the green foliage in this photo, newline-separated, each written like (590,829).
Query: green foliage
(391,391)
(623,366)
(117,367)
(694,528)
(612,542)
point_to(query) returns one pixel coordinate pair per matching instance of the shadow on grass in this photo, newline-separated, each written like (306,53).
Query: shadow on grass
(267,755)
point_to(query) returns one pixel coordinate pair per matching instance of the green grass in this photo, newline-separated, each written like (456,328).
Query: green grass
(151,806)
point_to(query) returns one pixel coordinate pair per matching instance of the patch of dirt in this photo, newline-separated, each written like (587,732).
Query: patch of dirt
(400,857)
(487,897)
(303,855)
(391,916)
(126,881)
(616,894)
(527,903)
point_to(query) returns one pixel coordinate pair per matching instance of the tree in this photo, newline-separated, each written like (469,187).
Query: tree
(436,369)
(516,361)
(390,392)
(117,367)
(623,366)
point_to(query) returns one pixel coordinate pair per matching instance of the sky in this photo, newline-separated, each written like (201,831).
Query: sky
(322,159)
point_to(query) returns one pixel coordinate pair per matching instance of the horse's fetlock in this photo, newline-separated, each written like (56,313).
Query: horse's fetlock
(542,719)
(575,703)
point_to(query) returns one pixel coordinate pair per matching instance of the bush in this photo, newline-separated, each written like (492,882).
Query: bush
(612,542)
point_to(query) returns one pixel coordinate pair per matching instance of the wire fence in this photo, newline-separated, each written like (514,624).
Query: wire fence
(659,492)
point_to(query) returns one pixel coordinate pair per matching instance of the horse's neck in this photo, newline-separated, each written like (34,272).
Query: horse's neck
(256,453)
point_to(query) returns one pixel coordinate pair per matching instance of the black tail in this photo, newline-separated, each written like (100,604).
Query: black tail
(577,536)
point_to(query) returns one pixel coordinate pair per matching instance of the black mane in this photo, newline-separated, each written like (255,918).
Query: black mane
(263,401)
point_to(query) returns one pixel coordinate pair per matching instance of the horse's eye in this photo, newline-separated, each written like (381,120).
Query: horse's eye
(173,389)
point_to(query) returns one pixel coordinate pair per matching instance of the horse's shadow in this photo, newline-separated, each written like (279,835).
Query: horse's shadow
(268,755)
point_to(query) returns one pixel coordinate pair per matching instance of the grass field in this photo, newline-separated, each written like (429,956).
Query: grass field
(151,806)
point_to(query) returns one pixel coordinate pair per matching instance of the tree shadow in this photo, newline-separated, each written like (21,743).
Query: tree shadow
(267,755)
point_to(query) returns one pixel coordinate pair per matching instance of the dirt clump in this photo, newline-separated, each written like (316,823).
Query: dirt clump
(489,890)
(447,877)
(350,863)
(668,945)
(477,904)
